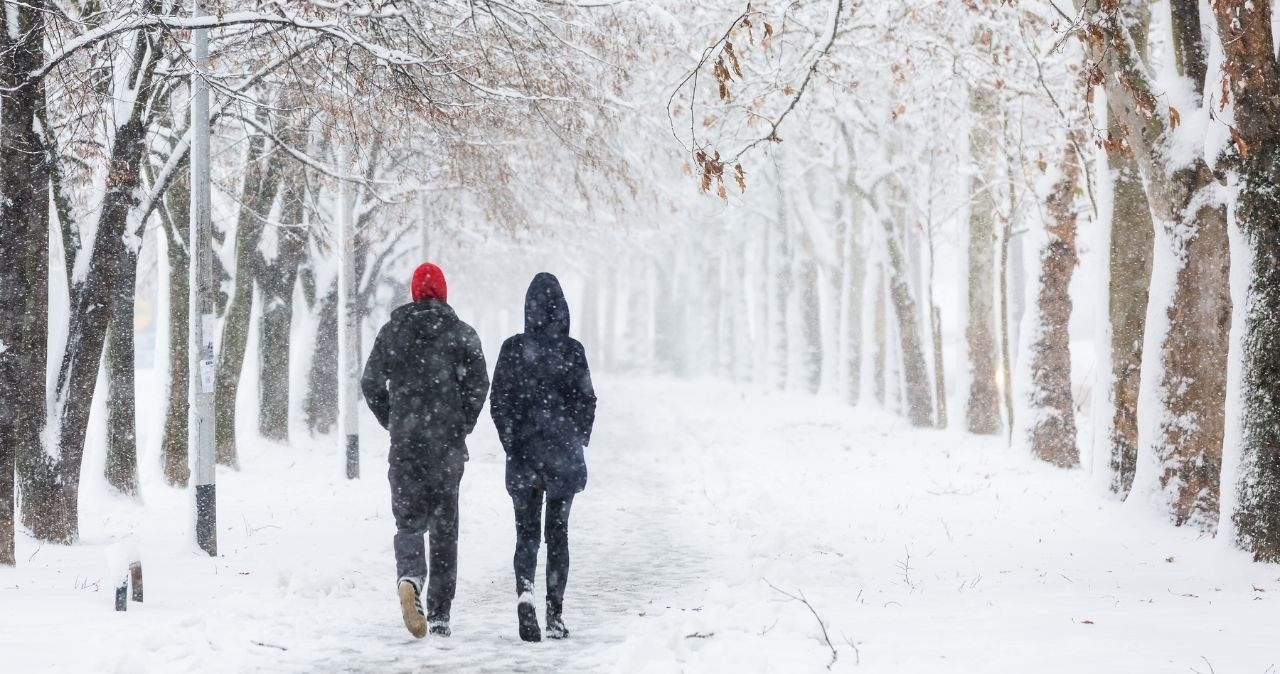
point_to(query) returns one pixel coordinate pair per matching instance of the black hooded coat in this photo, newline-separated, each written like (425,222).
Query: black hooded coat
(426,382)
(542,401)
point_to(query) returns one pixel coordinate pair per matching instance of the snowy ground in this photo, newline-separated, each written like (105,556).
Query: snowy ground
(921,551)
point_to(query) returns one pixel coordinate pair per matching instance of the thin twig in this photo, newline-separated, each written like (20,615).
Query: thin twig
(835,655)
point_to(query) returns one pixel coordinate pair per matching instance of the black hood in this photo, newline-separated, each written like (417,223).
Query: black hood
(545,310)
(430,316)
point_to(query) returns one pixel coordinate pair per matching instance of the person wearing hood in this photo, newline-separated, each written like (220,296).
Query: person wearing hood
(544,406)
(426,382)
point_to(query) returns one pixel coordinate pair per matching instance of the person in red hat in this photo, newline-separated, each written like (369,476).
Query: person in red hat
(426,382)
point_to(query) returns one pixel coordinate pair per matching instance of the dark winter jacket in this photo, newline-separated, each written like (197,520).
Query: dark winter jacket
(543,403)
(426,383)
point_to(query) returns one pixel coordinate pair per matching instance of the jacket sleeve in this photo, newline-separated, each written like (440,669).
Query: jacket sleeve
(473,378)
(503,400)
(373,383)
(585,397)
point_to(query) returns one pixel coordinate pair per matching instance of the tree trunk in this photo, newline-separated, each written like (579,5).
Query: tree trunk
(1191,393)
(879,364)
(1194,353)
(122,431)
(668,320)
(613,303)
(1132,238)
(1254,79)
(173,443)
(175,213)
(24,247)
(811,319)
(261,181)
(854,295)
(57,481)
(780,252)
(1006,335)
(982,412)
(939,381)
(277,278)
(590,324)
(1053,427)
(321,404)
(919,404)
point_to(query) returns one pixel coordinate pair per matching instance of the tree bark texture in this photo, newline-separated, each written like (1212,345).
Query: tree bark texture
(321,404)
(175,213)
(1132,239)
(1053,427)
(277,279)
(121,468)
(24,247)
(982,411)
(915,375)
(1254,79)
(1191,391)
(57,481)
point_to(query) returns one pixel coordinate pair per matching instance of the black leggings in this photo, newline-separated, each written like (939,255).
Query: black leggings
(528,507)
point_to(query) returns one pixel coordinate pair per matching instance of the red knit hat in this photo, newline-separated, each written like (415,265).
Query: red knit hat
(428,281)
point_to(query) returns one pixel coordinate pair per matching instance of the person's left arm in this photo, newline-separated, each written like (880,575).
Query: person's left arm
(584,394)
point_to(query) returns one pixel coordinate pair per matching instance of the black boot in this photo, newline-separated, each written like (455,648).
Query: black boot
(528,620)
(439,627)
(555,624)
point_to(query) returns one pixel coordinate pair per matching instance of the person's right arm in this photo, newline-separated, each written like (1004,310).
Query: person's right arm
(373,383)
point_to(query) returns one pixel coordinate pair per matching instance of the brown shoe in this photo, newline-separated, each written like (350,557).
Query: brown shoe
(411,609)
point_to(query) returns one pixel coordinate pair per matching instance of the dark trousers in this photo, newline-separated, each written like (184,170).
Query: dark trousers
(427,503)
(528,507)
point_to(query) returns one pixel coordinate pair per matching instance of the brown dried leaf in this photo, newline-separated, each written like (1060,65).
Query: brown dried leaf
(1174,118)
(1242,146)
(733,59)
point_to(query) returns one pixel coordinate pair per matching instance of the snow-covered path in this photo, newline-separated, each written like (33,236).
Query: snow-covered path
(922,551)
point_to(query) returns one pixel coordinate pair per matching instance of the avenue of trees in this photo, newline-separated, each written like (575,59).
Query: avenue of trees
(908,205)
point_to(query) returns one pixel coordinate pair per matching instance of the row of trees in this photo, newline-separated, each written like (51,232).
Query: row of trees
(417,107)
(1085,114)
(881,192)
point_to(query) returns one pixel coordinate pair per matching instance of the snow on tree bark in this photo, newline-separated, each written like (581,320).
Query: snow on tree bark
(1185,447)
(1253,77)
(1053,428)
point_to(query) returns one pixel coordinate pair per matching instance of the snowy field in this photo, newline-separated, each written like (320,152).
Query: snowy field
(920,551)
